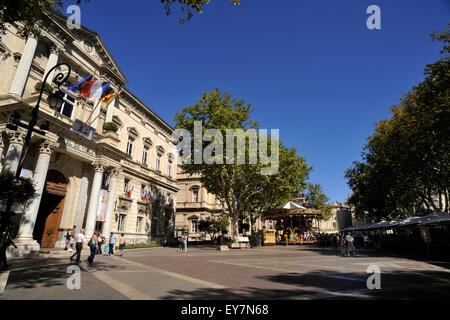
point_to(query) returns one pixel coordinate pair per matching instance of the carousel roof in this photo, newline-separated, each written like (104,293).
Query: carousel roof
(293,208)
(290,205)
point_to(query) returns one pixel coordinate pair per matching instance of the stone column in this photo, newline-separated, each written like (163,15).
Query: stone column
(25,242)
(12,158)
(81,205)
(93,201)
(23,69)
(52,61)
(111,199)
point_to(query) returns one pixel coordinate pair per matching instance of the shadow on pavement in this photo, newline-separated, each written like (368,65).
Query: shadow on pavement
(325,284)
(49,272)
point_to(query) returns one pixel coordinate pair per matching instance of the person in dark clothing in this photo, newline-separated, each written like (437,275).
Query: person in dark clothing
(79,246)
(93,244)
(4,244)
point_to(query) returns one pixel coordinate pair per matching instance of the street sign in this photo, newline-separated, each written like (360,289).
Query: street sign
(83,129)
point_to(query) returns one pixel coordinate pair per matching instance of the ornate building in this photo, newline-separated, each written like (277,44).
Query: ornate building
(121,181)
(194,203)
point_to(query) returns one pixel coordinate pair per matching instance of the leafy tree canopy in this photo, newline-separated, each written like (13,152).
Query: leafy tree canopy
(16,191)
(317,199)
(405,167)
(241,188)
(32,14)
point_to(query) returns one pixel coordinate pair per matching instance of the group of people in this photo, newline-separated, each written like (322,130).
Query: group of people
(183,243)
(95,244)
(347,243)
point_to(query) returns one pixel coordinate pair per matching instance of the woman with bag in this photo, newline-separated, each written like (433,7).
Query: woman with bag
(93,244)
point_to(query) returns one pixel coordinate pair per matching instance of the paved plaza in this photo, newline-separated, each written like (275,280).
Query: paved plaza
(203,273)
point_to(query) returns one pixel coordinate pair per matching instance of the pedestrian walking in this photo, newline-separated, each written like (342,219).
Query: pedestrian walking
(185,240)
(5,242)
(112,243)
(350,244)
(78,246)
(93,245)
(122,244)
(100,243)
(68,237)
(301,238)
(180,247)
(343,249)
(337,242)
(366,241)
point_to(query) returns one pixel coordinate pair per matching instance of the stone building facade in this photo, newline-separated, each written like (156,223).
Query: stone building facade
(121,182)
(194,203)
(340,219)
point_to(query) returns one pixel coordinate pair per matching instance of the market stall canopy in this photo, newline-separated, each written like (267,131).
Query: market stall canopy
(436,218)
(410,221)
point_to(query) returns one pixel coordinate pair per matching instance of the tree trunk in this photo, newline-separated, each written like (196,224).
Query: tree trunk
(235,229)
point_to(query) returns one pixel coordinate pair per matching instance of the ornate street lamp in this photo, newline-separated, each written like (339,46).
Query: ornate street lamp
(55,100)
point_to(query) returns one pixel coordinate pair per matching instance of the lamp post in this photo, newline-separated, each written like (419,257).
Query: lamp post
(55,101)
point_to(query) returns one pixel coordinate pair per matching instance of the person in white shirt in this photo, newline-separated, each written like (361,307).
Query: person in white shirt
(78,246)
(366,241)
(350,244)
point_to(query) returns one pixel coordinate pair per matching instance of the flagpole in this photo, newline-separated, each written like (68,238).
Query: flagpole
(87,121)
(97,106)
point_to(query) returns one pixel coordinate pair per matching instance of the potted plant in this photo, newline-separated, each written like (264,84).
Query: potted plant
(48,89)
(110,127)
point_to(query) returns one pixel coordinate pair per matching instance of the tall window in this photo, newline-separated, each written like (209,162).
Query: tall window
(140,219)
(169,169)
(158,162)
(126,185)
(122,218)
(144,155)
(194,226)
(67,107)
(195,194)
(130,146)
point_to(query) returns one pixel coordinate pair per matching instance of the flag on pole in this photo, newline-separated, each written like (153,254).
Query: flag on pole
(94,89)
(109,97)
(79,85)
(130,191)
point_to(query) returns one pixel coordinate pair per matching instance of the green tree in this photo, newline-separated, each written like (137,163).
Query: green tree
(17,191)
(31,14)
(405,167)
(189,7)
(212,226)
(241,188)
(317,199)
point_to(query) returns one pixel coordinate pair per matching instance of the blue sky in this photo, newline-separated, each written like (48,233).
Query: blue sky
(309,68)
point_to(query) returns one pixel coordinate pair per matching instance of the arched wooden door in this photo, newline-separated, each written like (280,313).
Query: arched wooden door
(51,209)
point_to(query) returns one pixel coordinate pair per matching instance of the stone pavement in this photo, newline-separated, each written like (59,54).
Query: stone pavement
(203,273)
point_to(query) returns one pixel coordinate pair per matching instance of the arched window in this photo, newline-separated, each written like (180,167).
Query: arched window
(139,221)
(194,224)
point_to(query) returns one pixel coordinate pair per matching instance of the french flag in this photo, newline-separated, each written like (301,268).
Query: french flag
(94,89)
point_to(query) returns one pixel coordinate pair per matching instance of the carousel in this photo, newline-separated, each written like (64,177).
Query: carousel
(294,224)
